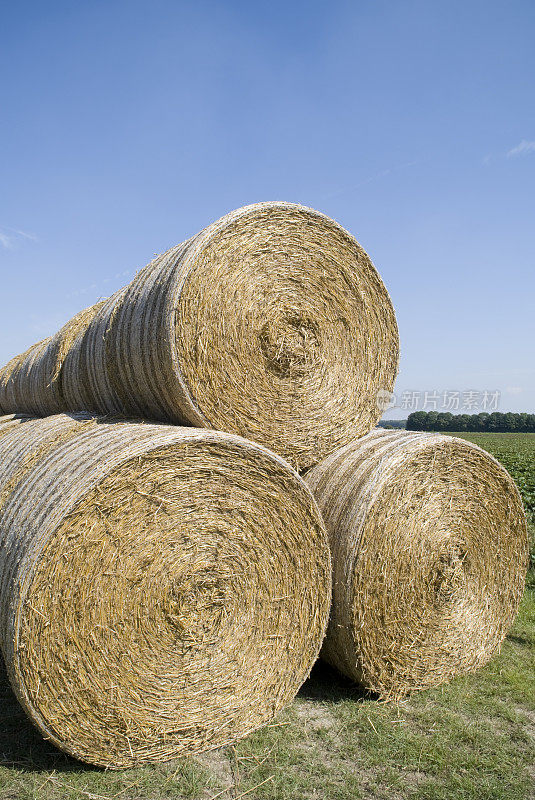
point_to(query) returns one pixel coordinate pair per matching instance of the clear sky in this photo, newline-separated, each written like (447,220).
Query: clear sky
(128,125)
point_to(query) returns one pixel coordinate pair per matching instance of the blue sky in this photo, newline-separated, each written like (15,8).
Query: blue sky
(127,126)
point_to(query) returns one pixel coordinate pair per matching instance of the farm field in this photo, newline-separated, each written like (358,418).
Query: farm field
(474,738)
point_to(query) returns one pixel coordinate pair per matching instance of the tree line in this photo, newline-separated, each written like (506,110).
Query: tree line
(495,422)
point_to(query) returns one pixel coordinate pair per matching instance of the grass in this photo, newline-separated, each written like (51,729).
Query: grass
(473,739)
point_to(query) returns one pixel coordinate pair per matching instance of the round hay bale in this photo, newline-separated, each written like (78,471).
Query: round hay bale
(33,381)
(163,590)
(22,379)
(429,547)
(271,323)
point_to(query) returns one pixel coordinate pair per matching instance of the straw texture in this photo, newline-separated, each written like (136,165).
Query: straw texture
(271,323)
(33,382)
(429,547)
(163,590)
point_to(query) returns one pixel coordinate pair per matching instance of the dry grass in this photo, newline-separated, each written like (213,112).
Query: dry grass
(271,323)
(429,547)
(163,590)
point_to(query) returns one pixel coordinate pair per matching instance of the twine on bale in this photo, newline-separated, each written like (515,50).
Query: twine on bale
(271,323)
(429,547)
(32,382)
(163,590)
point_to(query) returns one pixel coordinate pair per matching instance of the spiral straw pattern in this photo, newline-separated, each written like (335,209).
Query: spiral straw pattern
(163,590)
(271,323)
(430,550)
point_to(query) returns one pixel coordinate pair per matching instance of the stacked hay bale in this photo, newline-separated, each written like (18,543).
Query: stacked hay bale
(430,551)
(271,323)
(163,590)
(32,382)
